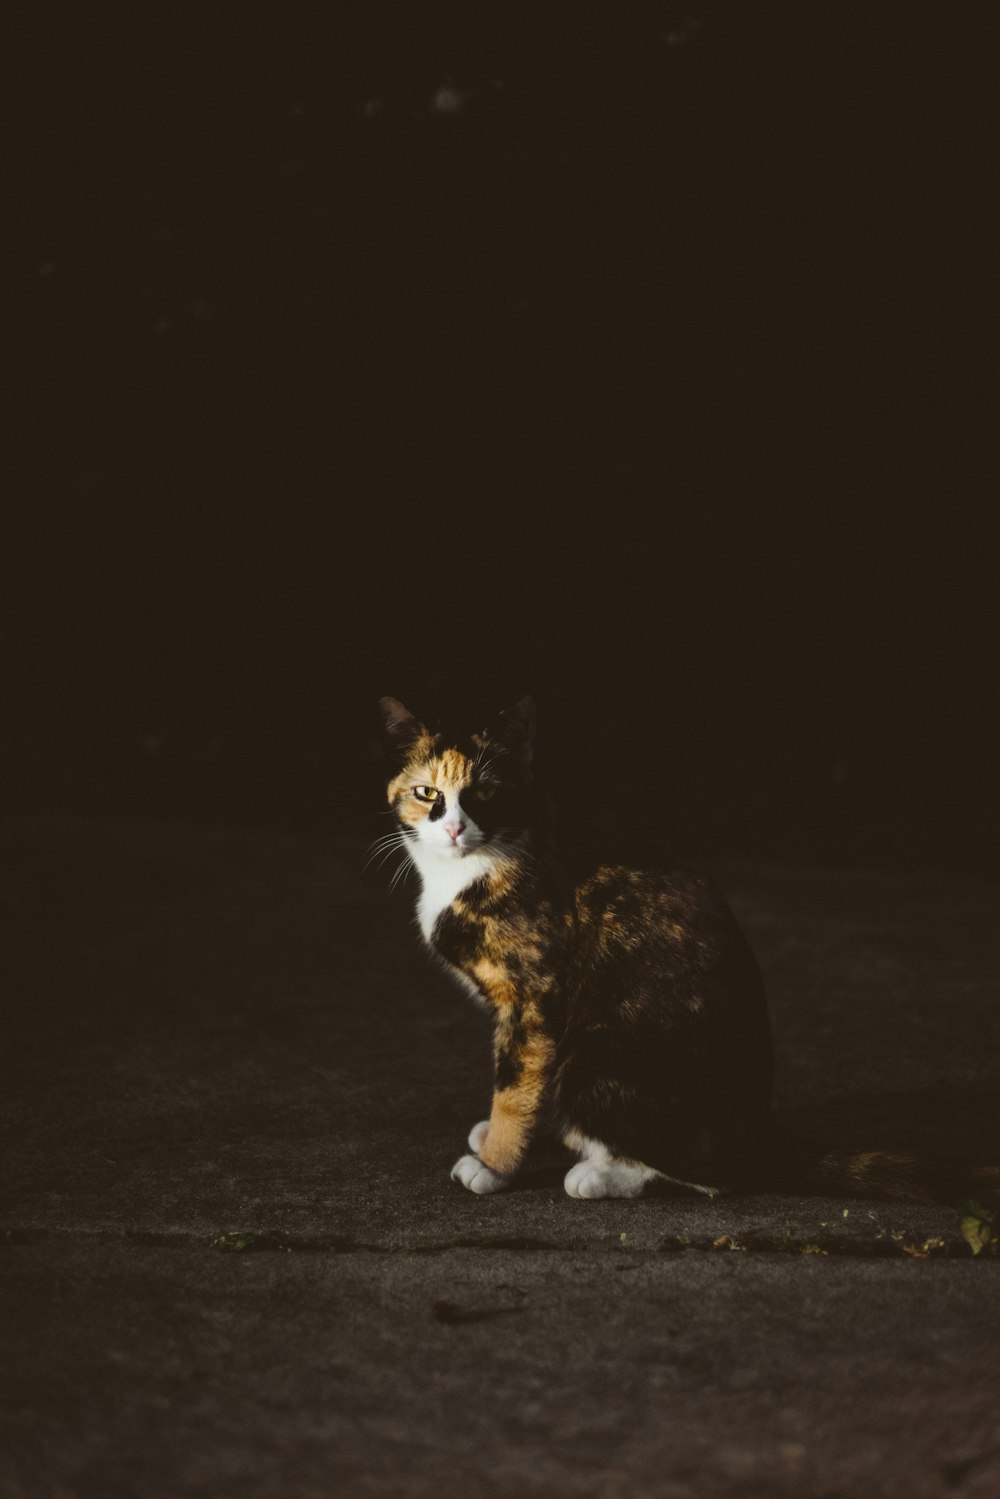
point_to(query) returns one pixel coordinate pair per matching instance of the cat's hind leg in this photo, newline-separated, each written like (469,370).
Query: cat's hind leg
(600,1173)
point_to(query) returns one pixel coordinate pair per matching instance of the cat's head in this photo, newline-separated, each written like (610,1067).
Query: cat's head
(456,793)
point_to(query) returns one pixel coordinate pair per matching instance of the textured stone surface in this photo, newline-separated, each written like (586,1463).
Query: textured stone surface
(228,1038)
(598,1371)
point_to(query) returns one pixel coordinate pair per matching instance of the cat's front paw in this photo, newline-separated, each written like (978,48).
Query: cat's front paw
(477,1135)
(470,1171)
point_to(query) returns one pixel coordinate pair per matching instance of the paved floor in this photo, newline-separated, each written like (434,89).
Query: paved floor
(234,1264)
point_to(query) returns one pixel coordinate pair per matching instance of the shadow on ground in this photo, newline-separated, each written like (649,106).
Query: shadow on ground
(234,1262)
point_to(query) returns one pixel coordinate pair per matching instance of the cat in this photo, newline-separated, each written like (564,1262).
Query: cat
(628,1012)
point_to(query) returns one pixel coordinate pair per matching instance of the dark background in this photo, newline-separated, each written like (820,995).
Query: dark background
(633,355)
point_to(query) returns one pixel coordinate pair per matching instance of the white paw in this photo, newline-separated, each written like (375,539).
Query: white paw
(606,1179)
(478,1134)
(470,1171)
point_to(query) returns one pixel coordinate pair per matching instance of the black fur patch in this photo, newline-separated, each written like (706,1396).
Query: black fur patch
(457,936)
(508,1069)
(510,1045)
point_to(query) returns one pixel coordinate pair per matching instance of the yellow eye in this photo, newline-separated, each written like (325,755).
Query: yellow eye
(425,793)
(485,792)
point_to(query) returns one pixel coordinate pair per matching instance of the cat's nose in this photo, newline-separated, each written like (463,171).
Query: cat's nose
(454,830)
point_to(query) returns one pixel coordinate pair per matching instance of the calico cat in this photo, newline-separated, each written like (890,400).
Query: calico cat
(628,1011)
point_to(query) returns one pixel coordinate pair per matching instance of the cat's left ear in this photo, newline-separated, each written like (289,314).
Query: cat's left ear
(517,729)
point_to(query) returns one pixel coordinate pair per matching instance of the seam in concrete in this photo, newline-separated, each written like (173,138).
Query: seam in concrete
(248,1242)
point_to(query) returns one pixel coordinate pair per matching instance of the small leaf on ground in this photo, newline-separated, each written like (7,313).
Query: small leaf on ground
(978,1231)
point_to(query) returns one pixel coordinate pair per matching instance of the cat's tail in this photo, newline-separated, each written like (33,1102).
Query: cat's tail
(891,1174)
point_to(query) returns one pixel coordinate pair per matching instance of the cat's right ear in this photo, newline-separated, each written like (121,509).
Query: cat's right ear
(400,725)
(516,729)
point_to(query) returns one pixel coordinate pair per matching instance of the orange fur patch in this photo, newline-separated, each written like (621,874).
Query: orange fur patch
(450,771)
(515,1109)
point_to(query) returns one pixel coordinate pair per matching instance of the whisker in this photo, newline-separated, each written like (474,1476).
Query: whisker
(401,875)
(515,852)
(386,857)
(382,847)
(386,839)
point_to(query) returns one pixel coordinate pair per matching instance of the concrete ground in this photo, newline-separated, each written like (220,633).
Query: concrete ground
(233,1263)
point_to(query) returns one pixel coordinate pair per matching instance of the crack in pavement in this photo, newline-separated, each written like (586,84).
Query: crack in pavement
(882,1246)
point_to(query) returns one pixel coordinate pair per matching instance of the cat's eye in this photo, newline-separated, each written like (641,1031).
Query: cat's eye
(425,793)
(485,792)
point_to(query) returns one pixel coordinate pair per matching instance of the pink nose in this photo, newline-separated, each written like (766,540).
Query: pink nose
(454,830)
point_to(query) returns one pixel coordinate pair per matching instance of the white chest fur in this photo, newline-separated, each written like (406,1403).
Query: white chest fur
(442,878)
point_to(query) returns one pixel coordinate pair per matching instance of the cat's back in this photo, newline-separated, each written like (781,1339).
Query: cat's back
(652,942)
(626,893)
(622,900)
